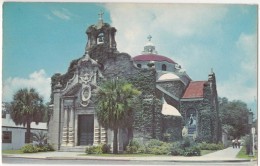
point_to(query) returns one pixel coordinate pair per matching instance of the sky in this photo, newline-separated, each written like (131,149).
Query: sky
(41,39)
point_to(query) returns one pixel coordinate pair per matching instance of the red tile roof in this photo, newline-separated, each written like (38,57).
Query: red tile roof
(152,57)
(194,90)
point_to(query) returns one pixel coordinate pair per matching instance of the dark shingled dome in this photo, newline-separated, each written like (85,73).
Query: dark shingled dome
(152,57)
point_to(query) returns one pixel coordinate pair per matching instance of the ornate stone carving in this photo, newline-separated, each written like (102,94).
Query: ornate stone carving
(88,74)
(85,93)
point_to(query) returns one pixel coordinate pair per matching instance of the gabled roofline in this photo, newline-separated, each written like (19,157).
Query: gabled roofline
(166,92)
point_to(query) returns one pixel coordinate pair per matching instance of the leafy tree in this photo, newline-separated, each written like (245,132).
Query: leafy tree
(27,107)
(114,100)
(234,117)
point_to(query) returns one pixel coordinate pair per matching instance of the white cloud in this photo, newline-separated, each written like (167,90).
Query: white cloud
(192,35)
(37,80)
(63,14)
(136,21)
(243,84)
(236,89)
(247,47)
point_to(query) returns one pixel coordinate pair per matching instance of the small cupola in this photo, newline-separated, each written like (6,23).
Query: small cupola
(149,47)
(101,34)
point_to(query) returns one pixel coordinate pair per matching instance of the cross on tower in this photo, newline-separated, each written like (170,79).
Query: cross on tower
(149,38)
(101,15)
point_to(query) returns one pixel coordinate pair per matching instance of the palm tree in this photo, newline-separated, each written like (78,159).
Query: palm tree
(27,107)
(40,138)
(114,101)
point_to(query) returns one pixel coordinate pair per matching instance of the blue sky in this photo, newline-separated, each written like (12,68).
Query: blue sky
(40,39)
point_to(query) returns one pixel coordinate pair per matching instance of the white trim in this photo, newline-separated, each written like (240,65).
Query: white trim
(192,99)
(70,83)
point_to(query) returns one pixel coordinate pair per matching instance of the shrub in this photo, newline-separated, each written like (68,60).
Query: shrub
(192,151)
(159,150)
(186,142)
(132,147)
(105,148)
(210,146)
(29,148)
(50,147)
(154,143)
(157,147)
(141,149)
(185,148)
(41,148)
(94,149)
(176,149)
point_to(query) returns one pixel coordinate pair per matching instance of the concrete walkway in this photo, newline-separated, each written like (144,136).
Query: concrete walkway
(226,155)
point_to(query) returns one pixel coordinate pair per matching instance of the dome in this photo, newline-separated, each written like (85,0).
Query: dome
(169,110)
(168,76)
(153,57)
(150,54)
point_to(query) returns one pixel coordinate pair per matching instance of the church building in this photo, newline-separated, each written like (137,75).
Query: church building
(171,104)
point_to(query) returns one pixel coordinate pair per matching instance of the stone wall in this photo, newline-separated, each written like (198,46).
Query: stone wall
(175,87)
(171,128)
(208,124)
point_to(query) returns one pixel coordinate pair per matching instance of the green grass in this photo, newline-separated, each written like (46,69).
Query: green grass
(242,154)
(203,152)
(12,152)
(123,155)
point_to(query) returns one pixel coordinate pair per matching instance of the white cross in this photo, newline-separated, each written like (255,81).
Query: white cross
(149,38)
(101,15)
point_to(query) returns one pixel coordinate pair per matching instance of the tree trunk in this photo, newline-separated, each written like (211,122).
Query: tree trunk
(28,133)
(115,142)
(130,134)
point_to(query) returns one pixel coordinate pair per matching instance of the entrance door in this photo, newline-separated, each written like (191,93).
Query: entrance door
(86,129)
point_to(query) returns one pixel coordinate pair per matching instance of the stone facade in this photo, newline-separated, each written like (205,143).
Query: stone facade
(74,123)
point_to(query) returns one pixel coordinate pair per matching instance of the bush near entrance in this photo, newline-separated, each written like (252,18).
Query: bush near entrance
(186,147)
(30,148)
(99,149)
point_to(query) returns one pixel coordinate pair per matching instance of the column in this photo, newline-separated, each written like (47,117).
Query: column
(71,128)
(54,130)
(65,128)
(96,131)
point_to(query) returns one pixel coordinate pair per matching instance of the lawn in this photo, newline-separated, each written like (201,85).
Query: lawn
(12,152)
(123,155)
(203,152)
(242,154)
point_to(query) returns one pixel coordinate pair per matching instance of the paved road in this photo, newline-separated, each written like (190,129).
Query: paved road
(7,160)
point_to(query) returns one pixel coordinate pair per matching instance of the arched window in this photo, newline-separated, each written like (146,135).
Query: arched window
(164,68)
(100,38)
(139,65)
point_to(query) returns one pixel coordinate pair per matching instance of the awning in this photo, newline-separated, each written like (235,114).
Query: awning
(169,110)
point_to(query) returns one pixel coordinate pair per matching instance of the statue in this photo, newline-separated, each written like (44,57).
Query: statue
(192,121)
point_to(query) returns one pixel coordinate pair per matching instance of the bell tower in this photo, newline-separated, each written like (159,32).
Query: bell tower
(101,34)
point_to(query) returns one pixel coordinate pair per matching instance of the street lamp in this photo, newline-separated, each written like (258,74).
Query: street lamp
(250,122)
